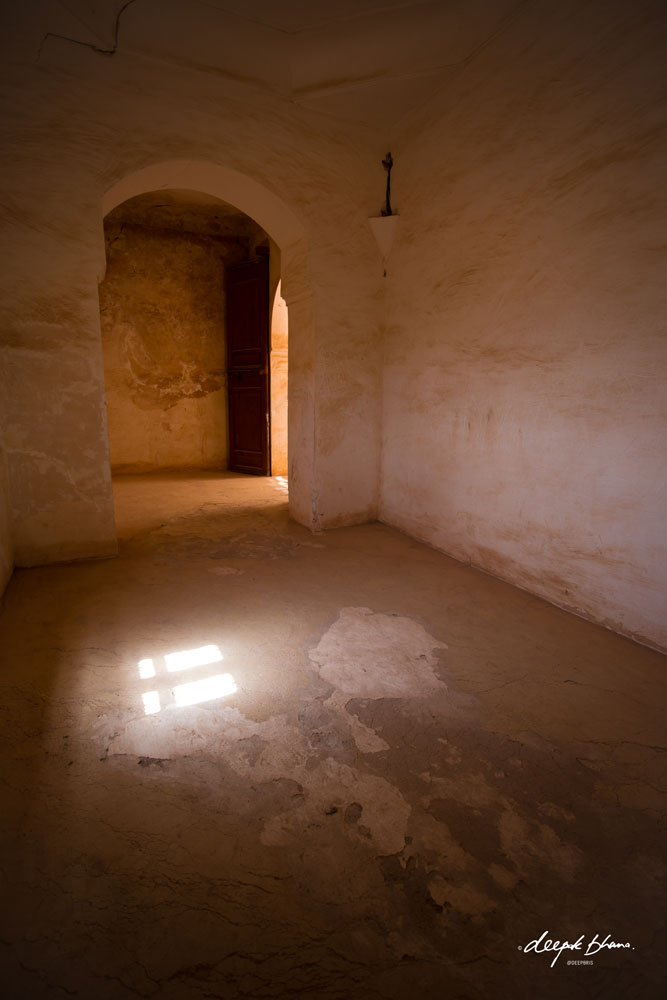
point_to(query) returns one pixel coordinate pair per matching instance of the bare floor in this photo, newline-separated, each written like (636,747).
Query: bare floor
(372,771)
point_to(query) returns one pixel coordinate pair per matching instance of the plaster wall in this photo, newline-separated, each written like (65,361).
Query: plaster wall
(56,440)
(6,542)
(524,401)
(279,365)
(6,533)
(80,125)
(162,306)
(348,412)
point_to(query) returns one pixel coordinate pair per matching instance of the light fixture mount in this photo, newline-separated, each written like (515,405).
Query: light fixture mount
(384,226)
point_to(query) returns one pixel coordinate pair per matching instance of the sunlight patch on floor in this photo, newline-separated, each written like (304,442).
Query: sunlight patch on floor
(205,690)
(195,692)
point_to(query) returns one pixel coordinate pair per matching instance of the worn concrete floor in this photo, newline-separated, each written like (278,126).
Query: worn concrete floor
(403,773)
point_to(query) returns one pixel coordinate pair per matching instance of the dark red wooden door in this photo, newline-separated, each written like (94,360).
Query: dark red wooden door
(247,331)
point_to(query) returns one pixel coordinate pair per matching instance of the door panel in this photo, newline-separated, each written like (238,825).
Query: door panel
(248,425)
(247,332)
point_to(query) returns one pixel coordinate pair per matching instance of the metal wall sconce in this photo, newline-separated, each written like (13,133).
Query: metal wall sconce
(384,226)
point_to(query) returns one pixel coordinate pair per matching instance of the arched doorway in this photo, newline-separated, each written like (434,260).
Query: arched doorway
(175,319)
(286,237)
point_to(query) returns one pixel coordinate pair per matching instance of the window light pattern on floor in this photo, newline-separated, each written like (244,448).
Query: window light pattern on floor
(195,692)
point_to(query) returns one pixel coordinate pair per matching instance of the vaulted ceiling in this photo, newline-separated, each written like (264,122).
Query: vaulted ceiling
(365,61)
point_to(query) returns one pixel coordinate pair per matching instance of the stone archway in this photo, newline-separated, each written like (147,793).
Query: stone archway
(229,185)
(284,227)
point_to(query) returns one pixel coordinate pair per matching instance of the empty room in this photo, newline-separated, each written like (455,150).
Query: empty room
(333,504)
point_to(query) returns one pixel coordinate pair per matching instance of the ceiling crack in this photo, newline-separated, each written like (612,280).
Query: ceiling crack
(89,45)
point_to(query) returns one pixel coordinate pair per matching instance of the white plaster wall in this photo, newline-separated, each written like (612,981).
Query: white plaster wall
(79,123)
(56,442)
(348,410)
(526,350)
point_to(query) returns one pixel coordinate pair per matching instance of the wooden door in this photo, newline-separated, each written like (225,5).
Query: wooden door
(247,330)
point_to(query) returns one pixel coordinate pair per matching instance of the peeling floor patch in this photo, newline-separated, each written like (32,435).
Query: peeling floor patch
(372,655)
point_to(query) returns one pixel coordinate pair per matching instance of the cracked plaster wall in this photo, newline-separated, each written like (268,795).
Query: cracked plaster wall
(162,307)
(525,412)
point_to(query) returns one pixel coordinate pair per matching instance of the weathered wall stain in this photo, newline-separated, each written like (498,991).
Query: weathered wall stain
(163,313)
(149,389)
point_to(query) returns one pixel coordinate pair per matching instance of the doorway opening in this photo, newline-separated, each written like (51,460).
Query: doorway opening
(279,337)
(179,350)
(215,184)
